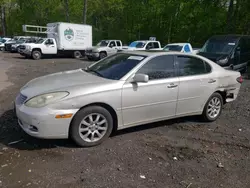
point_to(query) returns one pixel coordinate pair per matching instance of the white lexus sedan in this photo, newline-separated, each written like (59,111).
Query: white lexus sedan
(124,90)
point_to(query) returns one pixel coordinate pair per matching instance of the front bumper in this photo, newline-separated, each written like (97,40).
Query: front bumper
(92,55)
(26,52)
(41,122)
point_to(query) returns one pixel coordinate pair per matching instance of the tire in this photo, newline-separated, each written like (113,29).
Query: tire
(244,70)
(207,114)
(102,55)
(77,54)
(1,49)
(36,55)
(83,139)
(90,58)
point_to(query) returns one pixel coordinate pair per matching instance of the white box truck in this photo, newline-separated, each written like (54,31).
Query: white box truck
(62,39)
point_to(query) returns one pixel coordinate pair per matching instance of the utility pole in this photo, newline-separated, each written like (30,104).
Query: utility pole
(85,4)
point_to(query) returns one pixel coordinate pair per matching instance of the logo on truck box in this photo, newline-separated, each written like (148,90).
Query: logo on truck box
(69,34)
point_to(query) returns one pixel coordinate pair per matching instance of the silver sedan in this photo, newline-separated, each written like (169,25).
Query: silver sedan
(124,90)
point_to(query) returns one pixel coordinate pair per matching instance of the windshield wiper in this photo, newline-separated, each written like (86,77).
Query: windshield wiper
(96,72)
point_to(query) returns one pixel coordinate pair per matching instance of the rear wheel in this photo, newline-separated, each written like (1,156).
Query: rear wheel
(91,126)
(77,54)
(213,107)
(244,70)
(36,54)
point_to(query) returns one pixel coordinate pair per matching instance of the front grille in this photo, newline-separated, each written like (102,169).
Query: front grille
(88,51)
(7,47)
(20,99)
(22,47)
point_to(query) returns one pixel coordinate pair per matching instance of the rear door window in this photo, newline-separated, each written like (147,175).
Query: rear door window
(190,66)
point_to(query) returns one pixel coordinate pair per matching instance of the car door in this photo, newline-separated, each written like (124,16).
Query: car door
(119,45)
(196,84)
(154,100)
(112,48)
(149,46)
(49,47)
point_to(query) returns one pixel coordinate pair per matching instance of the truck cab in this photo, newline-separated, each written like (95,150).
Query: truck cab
(103,49)
(45,46)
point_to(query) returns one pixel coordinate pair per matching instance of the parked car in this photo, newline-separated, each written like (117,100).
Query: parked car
(143,45)
(124,90)
(228,51)
(2,42)
(65,39)
(16,47)
(103,49)
(177,47)
(8,44)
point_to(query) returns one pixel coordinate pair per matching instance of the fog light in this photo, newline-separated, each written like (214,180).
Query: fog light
(33,128)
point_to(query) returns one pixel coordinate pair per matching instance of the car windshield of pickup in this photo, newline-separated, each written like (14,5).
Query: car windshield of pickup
(20,41)
(40,41)
(176,48)
(137,44)
(103,43)
(218,46)
(116,66)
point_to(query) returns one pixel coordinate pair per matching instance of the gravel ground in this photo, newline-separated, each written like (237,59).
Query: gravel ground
(171,154)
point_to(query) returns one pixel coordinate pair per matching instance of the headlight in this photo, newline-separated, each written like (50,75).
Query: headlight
(45,99)
(223,61)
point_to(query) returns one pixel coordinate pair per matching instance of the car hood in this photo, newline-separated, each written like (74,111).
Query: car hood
(213,57)
(60,81)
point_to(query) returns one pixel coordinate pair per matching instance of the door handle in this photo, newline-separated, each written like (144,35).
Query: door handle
(172,85)
(211,81)
(52,46)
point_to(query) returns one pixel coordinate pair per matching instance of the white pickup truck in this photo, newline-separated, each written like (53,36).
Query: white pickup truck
(103,49)
(179,47)
(62,39)
(143,45)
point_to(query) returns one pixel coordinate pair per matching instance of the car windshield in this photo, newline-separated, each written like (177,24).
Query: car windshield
(176,48)
(40,41)
(103,43)
(218,46)
(116,66)
(20,41)
(2,40)
(137,44)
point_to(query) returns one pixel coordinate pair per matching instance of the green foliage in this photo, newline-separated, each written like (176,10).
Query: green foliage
(128,20)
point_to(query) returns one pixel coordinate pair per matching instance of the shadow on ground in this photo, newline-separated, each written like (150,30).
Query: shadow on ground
(11,134)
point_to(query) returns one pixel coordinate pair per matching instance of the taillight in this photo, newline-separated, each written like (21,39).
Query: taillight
(240,79)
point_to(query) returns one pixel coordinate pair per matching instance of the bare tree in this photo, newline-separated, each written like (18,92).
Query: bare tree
(3,20)
(85,4)
(230,15)
(66,5)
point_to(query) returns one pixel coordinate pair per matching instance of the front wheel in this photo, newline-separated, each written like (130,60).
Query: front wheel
(102,55)
(91,126)
(213,108)
(36,55)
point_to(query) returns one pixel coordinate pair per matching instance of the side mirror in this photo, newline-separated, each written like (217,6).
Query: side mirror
(238,49)
(140,78)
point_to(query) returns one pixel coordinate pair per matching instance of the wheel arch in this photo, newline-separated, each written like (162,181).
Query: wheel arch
(105,106)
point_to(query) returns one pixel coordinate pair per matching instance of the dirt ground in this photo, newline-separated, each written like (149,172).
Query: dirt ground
(171,154)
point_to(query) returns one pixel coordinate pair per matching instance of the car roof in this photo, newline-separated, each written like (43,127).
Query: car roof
(228,36)
(181,44)
(145,41)
(153,53)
